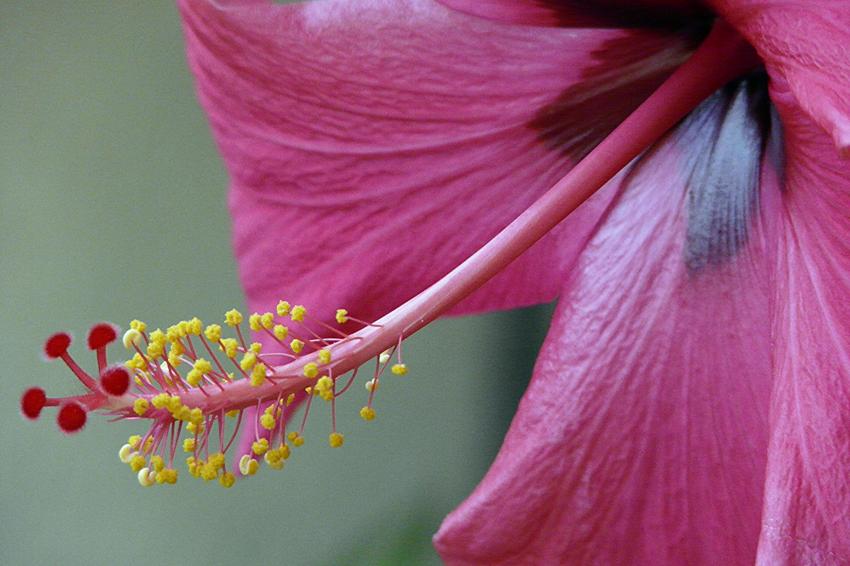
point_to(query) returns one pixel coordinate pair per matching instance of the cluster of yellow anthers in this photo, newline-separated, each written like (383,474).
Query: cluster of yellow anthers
(170,366)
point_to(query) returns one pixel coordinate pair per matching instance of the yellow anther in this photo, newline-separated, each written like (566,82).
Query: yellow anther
(177,348)
(195,428)
(274,462)
(233,317)
(367,413)
(157,462)
(232,414)
(324,356)
(227,480)
(255,347)
(138,325)
(195,326)
(254,321)
(230,347)
(267,320)
(137,463)
(341,316)
(193,466)
(202,365)
(125,454)
(324,390)
(173,334)
(208,472)
(267,421)
(311,370)
(167,475)
(309,390)
(295,438)
(298,312)
(158,336)
(336,439)
(283,450)
(399,369)
(160,401)
(216,460)
(213,332)
(258,375)
(296,345)
(184,414)
(189,445)
(248,466)
(146,477)
(290,399)
(196,416)
(134,441)
(260,447)
(384,357)
(174,404)
(131,337)
(280,332)
(155,349)
(194,377)
(141,406)
(174,358)
(372,385)
(136,362)
(283,308)
(324,383)
(248,361)
(148,444)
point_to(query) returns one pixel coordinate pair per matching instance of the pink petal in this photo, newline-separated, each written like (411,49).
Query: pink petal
(374,145)
(805,43)
(642,437)
(807,493)
(572,13)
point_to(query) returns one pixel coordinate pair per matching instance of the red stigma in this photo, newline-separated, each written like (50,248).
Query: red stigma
(32,402)
(115,380)
(101,334)
(57,345)
(71,417)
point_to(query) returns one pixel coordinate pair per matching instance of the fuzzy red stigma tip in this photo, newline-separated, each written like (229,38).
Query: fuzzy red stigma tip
(115,380)
(71,417)
(32,402)
(57,345)
(101,334)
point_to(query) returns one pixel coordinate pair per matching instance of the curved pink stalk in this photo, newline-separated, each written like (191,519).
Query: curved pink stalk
(723,56)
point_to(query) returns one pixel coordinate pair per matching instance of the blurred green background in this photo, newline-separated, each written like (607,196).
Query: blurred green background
(106,165)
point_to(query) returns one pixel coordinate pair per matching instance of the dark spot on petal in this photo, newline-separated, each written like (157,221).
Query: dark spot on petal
(723,185)
(626,13)
(620,79)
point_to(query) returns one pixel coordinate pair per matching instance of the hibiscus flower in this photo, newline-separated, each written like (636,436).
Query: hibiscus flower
(689,404)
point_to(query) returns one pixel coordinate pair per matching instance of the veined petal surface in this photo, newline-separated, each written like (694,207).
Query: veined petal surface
(642,438)
(374,145)
(806,45)
(807,492)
